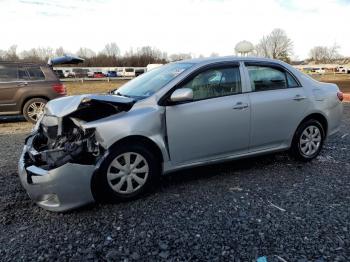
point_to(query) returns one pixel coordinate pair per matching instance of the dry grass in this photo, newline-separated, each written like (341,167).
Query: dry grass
(342,80)
(88,87)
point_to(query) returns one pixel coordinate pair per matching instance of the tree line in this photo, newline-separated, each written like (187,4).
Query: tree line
(109,56)
(276,45)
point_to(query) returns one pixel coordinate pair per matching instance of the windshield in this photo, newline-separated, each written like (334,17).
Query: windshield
(152,81)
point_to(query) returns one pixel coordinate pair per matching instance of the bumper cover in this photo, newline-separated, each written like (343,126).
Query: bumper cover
(59,189)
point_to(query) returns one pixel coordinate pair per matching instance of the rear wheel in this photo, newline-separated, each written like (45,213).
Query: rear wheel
(308,140)
(126,173)
(33,109)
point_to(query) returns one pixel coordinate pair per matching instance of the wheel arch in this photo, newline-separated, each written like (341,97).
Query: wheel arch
(31,97)
(139,139)
(320,118)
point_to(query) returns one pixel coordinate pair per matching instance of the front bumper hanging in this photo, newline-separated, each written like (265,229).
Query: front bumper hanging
(58,189)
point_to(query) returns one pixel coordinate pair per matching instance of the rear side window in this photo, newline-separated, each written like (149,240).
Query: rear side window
(8,73)
(22,74)
(291,81)
(264,78)
(215,83)
(35,73)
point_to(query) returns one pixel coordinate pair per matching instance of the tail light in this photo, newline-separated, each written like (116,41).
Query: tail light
(59,89)
(340,96)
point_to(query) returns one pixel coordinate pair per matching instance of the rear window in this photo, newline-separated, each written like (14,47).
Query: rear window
(129,70)
(35,73)
(8,73)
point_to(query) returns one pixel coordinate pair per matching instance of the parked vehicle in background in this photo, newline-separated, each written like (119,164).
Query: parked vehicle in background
(184,114)
(320,70)
(69,74)
(139,71)
(25,89)
(111,74)
(149,67)
(90,74)
(59,73)
(129,72)
(126,72)
(98,75)
(342,69)
(80,72)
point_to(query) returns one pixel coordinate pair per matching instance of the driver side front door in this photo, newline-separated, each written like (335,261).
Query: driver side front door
(216,123)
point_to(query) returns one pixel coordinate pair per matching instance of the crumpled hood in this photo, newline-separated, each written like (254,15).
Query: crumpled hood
(61,107)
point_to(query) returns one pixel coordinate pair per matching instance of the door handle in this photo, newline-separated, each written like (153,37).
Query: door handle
(299,98)
(240,106)
(23,84)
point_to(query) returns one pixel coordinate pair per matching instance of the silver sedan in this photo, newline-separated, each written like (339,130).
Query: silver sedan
(113,147)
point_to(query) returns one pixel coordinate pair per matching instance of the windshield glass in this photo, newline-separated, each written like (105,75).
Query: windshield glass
(147,84)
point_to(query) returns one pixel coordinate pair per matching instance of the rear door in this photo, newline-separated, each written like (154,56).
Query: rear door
(278,103)
(216,123)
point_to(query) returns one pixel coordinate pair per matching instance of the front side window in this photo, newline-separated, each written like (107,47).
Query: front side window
(264,78)
(215,83)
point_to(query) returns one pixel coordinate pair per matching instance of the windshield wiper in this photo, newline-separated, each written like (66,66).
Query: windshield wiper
(120,94)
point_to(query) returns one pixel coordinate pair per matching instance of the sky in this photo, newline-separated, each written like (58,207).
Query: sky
(173,26)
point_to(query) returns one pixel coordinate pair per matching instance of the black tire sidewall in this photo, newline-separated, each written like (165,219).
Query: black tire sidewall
(296,149)
(28,103)
(100,187)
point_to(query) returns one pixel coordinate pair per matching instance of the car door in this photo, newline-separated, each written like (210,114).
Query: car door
(216,123)
(278,103)
(9,86)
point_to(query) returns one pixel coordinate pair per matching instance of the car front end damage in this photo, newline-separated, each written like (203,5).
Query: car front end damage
(60,155)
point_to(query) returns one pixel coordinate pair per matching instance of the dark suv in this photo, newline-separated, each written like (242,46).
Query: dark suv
(25,89)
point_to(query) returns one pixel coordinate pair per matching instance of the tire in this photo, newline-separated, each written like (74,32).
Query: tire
(109,176)
(33,108)
(308,140)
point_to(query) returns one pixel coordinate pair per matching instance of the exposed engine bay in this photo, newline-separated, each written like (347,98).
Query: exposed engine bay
(59,140)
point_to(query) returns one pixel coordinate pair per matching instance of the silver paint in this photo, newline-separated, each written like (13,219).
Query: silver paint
(199,132)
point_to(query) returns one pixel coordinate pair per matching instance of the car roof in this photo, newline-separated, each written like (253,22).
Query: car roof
(207,60)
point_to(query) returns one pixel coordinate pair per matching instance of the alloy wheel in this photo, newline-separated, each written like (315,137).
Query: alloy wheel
(35,110)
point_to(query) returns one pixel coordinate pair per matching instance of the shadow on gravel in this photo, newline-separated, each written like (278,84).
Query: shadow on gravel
(11,119)
(219,169)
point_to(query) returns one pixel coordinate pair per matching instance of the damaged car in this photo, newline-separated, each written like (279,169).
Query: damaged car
(113,147)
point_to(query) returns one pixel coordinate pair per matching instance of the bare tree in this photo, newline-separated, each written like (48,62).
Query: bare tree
(276,45)
(60,51)
(85,52)
(214,54)
(111,49)
(324,54)
(180,56)
(11,53)
(2,54)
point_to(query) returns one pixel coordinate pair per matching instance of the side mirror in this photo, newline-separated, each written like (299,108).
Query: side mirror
(182,95)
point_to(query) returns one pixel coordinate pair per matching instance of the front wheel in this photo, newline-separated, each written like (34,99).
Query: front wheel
(308,140)
(126,173)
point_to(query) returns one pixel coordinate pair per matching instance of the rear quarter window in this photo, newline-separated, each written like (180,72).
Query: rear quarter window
(35,73)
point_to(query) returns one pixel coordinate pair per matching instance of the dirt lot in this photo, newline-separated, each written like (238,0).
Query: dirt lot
(342,80)
(75,88)
(268,206)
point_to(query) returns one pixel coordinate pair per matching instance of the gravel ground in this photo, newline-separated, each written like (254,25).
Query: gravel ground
(268,206)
